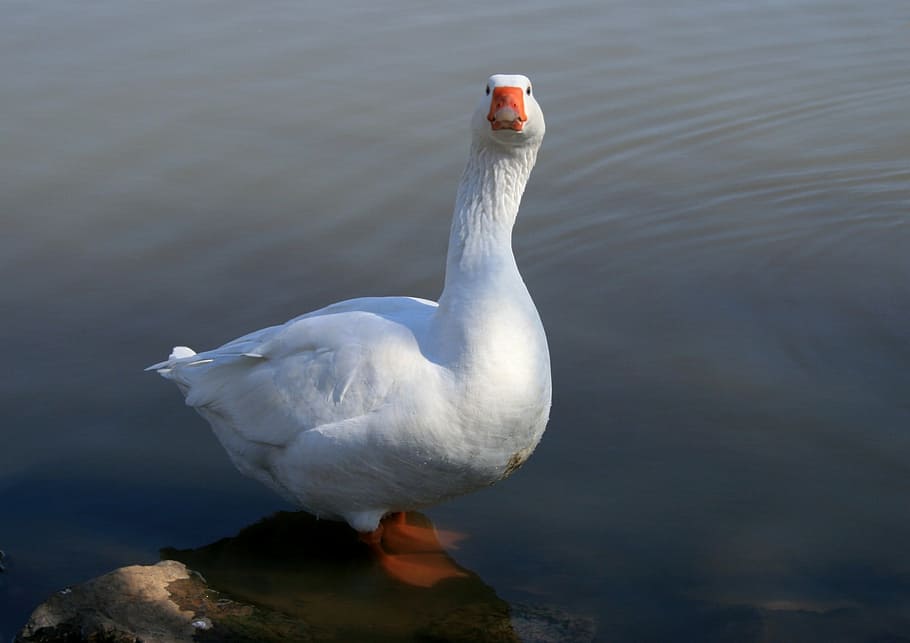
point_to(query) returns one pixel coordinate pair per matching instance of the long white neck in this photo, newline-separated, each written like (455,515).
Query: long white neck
(480,243)
(483,288)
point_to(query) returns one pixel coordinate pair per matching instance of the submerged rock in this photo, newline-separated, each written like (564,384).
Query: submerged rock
(289,577)
(320,573)
(544,624)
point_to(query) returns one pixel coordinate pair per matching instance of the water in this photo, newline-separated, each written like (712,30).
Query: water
(716,236)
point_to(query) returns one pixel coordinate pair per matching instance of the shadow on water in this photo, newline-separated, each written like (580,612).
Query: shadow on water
(319,572)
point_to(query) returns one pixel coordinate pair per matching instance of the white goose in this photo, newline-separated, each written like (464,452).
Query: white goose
(379,405)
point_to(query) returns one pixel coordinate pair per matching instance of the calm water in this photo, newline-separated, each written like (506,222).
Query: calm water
(716,235)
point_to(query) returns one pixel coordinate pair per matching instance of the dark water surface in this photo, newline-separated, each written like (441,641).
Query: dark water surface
(716,236)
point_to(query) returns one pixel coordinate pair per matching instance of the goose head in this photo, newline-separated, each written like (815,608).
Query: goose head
(507,113)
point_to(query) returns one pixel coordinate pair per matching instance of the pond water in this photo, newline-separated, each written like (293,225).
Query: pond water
(716,236)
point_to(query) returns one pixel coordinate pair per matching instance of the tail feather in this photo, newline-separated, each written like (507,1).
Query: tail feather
(181,355)
(178,353)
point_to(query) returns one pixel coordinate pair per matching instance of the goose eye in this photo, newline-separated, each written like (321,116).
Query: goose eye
(529,90)
(488,90)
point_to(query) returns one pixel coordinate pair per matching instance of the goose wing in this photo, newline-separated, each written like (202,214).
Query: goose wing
(337,363)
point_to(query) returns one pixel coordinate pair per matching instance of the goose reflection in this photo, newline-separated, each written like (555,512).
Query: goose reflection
(405,587)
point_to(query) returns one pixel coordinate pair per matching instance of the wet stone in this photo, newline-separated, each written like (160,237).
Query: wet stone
(164,603)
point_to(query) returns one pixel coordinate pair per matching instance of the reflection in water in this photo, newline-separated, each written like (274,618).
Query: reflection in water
(411,550)
(321,573)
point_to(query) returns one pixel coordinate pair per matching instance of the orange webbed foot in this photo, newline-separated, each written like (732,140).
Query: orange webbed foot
(411,553)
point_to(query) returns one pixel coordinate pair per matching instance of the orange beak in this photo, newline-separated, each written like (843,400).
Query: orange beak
(507,108)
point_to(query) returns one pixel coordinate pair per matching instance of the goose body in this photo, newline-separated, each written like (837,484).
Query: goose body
(377,405)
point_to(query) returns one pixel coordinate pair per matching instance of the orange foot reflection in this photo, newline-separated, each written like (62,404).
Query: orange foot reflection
(412,553)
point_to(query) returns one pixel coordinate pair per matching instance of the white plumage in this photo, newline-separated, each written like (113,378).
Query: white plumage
(384,404)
